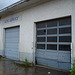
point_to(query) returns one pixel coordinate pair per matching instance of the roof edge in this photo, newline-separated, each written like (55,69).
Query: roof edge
(13,5)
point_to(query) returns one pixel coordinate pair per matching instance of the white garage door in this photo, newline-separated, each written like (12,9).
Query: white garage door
(12,43)
(53,43)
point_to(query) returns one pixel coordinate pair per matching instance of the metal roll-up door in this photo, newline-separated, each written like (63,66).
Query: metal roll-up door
(12,43)
(53,43)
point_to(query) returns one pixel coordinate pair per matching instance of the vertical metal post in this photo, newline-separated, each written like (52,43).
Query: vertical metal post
(57,35)
(46,38)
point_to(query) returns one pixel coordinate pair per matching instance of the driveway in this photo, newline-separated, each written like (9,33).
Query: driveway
(7,67)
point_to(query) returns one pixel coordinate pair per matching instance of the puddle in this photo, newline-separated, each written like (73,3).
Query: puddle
(7,67)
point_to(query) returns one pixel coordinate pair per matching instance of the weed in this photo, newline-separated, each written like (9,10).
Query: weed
(15,65)
(73,69)
(26,63)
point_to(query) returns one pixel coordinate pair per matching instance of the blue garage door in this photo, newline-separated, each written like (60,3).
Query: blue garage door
(53,43)
(12,43)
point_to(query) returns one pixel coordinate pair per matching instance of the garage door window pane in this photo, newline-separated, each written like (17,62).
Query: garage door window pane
(41,32)
(51,39)
(64,47)
(51,23)
(41,25)
(40,46)
(65,30)
(51,47)
(52,31)
(64,21)
(40,39)
(65,39)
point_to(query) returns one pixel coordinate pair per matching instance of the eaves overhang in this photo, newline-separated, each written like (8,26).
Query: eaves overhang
(22,4)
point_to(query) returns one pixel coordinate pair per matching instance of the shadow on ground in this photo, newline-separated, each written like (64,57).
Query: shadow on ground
(7,67)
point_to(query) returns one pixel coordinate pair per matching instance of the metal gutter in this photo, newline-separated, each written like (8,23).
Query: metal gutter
(16,7)
(20,6)
(13,5)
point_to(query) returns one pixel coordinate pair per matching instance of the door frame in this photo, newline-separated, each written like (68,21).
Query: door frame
(4,39)
(54,19)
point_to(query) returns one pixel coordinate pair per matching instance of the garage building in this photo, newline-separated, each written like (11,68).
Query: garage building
(41,31)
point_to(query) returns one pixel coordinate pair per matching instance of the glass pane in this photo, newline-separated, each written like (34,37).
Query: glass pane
(52,31)
(64,30)
(40,46)
(52,23)
(65,21)
(41,25)
(65,39)
(64,47)
(40,39)
(41,32)
(51,47)
(51,39)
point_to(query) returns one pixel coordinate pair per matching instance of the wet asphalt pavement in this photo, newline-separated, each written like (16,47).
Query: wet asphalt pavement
(7,67)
